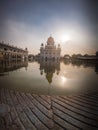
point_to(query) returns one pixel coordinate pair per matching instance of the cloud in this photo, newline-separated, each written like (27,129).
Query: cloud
(24,35)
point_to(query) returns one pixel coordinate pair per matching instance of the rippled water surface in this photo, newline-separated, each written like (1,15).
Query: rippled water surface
(52,78)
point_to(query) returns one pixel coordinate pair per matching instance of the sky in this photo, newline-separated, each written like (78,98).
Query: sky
(72,23)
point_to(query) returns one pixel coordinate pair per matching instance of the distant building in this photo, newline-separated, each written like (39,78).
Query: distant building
(50,51)
(87,57)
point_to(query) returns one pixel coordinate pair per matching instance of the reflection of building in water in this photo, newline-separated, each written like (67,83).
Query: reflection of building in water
(82,63)
(12,53)
(50,51)
(85,64)
(11,66)
(96,68)
(49,68)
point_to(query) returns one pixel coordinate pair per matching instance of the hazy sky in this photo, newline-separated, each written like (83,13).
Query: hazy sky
(28,23)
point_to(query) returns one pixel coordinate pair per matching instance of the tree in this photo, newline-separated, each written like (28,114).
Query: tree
(74,56)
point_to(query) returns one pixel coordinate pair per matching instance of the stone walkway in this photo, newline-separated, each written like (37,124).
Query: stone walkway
(40,112)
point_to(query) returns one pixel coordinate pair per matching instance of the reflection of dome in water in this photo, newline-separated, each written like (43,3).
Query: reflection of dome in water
(49,77)
(50,68)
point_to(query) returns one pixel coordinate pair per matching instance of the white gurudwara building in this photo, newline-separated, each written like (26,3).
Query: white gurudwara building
(50,51)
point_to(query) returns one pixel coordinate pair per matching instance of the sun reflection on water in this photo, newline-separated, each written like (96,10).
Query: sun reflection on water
(63,79)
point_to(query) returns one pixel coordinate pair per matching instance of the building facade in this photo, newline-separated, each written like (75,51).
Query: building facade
(10,53)
(50,51)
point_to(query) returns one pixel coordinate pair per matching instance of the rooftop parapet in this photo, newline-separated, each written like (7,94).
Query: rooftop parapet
(12,46)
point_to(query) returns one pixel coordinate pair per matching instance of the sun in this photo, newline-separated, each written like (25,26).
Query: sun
(64,38)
